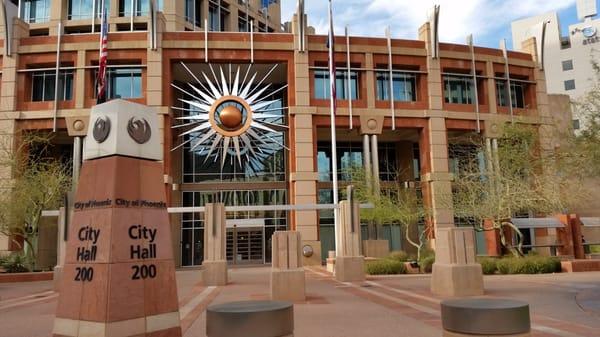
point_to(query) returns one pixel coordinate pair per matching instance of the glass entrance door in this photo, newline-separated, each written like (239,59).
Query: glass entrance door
(245,245)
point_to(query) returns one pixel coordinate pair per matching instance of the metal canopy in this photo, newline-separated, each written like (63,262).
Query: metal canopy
(537,223)
(590,222)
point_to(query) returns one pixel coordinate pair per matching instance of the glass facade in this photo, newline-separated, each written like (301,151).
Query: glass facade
(405,86)
(350,156)
(517,93)
(193,12)
(215,23)
(322,85)
(123,83)
(43,83)
(35,11)
(84,9)
(269,166)
(265,223)
(135,7)
(458,90)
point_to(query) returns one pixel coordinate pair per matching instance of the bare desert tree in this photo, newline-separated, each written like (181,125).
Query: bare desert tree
(393,204)
(491,186)
(35,183)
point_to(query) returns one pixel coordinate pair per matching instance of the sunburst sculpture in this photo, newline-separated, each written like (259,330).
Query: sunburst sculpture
(230,116)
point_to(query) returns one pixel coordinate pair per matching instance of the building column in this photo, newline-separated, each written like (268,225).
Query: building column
(174,13)
(455,272)
(113,11)
(303,173)
(375,160)
(367,159)
(58,12)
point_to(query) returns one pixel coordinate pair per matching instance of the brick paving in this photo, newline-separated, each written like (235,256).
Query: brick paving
(562,305)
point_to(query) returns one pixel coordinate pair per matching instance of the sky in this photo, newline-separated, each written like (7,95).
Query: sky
(488,20)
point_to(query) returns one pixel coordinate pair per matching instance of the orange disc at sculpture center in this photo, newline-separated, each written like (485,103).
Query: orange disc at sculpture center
(231,117)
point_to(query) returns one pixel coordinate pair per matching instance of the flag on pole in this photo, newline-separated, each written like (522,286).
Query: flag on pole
(332,102)
(101,78)
(332,69)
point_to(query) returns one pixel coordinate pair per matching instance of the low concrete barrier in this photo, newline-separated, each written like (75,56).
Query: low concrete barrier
(575,266)
(26,277)
(250,319)
(485,316)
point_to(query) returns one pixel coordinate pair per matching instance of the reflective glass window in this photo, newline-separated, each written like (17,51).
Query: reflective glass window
(43,83)
(405,86)
(458,89)
(322,85)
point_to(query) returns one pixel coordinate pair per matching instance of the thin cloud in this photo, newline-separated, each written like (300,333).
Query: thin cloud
(458,18)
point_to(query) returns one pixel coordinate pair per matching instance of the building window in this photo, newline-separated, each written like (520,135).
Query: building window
(35,11)
(576,124)
(83,9)
(193,12)
(570,85)
(243,23)
(140,7)
(322,85)
(123,83)
(567,65)
(517,93)
(43,83)
(350,157)
(458,89)
(216,23)
(405,87)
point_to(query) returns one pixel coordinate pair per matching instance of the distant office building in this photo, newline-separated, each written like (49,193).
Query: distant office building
(567,59)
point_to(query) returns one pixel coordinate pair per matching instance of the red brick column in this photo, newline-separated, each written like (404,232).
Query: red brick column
(577,237)
(565,236)
(492,239)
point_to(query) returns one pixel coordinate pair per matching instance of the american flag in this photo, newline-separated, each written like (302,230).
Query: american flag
(101,79)
(332,70)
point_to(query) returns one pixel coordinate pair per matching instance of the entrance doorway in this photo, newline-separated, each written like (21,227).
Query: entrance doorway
(245,246)
(246,241)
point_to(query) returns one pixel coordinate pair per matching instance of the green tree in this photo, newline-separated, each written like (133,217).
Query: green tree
(37,183)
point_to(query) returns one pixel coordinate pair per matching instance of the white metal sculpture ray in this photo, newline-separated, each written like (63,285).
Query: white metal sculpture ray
(231,116)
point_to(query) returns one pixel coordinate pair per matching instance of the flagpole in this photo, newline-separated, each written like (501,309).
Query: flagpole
(332,98)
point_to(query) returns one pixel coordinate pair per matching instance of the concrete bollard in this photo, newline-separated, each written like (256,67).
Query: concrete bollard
(250,319)
(214,266)
(287,275)
(485,316)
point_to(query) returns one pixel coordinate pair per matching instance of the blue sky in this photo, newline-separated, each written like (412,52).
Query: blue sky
(488,20)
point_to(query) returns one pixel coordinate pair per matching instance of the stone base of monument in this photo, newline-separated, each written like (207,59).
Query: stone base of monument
(457,280)
(350,268)
(288,285)
(214,273)
(57,278)
(250,319)
(485,317)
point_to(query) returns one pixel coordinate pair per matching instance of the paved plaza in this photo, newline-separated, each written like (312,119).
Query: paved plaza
(562,305)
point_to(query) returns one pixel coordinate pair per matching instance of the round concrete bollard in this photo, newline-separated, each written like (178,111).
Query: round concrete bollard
(250,319)
(485,316)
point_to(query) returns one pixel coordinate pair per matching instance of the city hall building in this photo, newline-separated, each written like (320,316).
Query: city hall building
(400,103)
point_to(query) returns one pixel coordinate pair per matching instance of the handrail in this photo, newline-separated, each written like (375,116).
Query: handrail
(303,207)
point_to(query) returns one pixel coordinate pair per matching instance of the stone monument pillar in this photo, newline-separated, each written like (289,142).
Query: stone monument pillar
(214,266)
(119,276)
(287,275)
(350,265)
(457,265)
